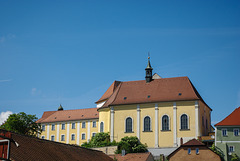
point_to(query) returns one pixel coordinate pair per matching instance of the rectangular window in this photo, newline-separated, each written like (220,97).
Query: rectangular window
(62,137)
(224,132)
(83,136)
(53,127)
(231,148)
(236,132)
(43,127)
(52,138)
(94,124)
(93,134)
(189,150)
(63,126)
(197,151)
(73,125)
(73,137)
(43,137)
(83,124)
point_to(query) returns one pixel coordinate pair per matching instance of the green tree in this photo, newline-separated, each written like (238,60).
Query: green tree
(23,124)
(99,140)
(234,157)
(131,145)
(217,150)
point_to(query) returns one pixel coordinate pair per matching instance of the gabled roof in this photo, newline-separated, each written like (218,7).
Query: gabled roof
(69,115)
(30,148)
(134,157)
(232,119)
(193,142)
(158,90)
(109,92)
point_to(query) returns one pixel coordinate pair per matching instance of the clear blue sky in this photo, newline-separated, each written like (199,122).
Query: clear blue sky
(70,52)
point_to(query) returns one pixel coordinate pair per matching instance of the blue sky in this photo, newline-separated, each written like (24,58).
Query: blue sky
(70,52)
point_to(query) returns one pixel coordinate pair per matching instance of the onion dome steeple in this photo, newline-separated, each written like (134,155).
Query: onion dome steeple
(60,108)
(148,70)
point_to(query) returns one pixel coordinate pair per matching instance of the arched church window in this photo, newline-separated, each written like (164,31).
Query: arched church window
(147,123)
(165,123)
(101,127)
(128,124)
(184,122)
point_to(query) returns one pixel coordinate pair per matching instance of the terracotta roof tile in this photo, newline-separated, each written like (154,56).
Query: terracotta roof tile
(31,148)
(133,157)
(158,90)
(232,119)
(68,115)
(109,92)
(193,142)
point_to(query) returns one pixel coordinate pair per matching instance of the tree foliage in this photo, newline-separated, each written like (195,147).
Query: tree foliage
(131,145)
(23,124)
(217,150)
(234,157)
(99,140)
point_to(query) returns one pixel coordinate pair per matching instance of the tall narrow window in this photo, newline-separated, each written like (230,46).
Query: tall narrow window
(52,138)
(197,150)
(189,150)
(83,136)
(43,127)
(184,122)
(128,124)
(53,127)
(62,137)
(94,124)
(147,123)
(202,121)
(165,123)
(236,132)
(73,137)
(73,125)
(101,127)
(206,124)
(63,126)
(83,124)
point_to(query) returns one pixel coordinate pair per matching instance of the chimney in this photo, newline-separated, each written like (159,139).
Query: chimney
(181,141)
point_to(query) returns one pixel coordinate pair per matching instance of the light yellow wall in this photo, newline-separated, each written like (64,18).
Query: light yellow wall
(165,137)
(147,137)
(104,116)
(120,115)
(186,107)
(71,131)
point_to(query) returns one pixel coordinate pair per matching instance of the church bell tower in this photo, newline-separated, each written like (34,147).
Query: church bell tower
(148,70)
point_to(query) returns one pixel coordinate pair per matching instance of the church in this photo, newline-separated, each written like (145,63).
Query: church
(159,111)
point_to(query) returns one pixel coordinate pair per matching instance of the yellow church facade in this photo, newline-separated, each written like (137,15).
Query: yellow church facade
(159,111)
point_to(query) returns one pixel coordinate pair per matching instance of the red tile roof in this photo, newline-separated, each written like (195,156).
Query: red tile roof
(232,119)
(193,142)
(134,157)
(158,90)
(31,148)
(109,92)
(69,115)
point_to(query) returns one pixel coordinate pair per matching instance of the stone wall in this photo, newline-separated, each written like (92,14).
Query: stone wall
(109,150)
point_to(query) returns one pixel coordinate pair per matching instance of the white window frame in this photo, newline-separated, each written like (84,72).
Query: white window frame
(126,125)
(74,125)
(234,132)
(93,133)
(62,137)
(84,136)
(233,147)
(84,124)
(226,132)
(188,123)
(72,137)
(53,137)
(53,127)
(150,123)
(63,126)
(169,122)
(95,124)
(43,127)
